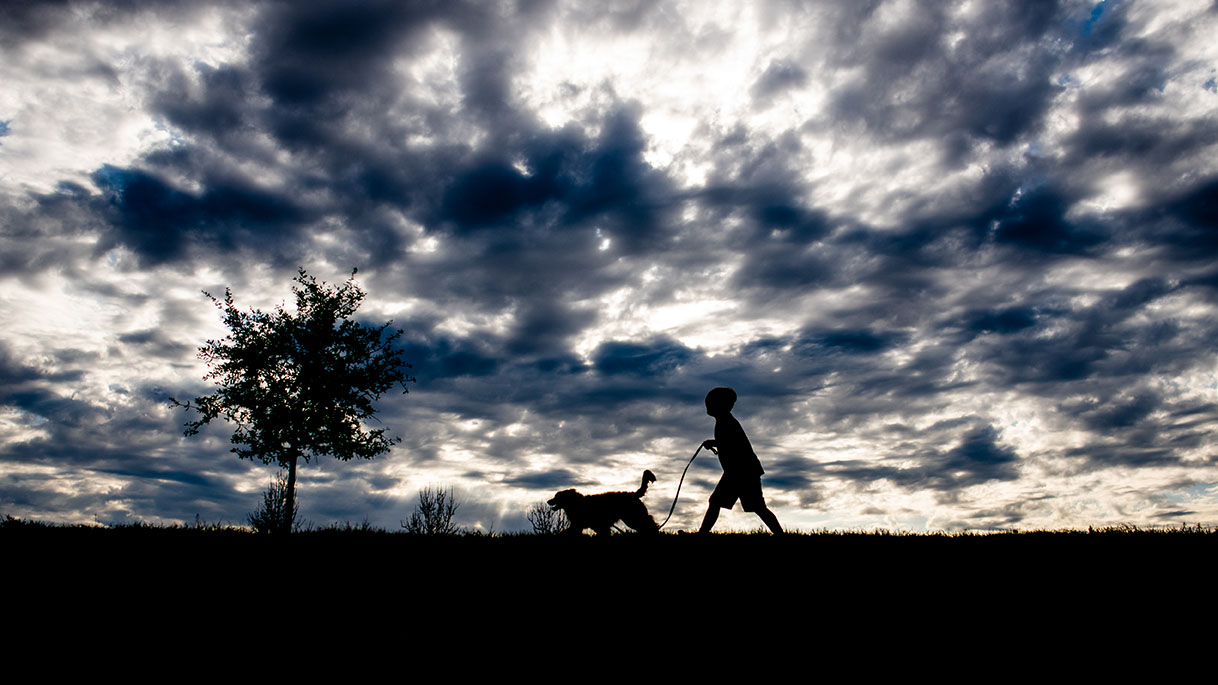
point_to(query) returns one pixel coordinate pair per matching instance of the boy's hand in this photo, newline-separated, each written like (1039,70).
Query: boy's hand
(709,445)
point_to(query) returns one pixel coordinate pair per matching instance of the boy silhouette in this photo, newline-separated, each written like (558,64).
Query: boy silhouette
(741,467)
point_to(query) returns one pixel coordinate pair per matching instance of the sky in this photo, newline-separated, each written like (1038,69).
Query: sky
(958,259)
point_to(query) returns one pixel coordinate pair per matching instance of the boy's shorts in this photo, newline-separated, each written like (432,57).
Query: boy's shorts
(730,488)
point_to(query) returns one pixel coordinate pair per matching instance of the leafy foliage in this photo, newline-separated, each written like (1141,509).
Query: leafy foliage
(434,513)
(300,385)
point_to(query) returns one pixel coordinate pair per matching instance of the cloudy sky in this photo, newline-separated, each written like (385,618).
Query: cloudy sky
(958,259)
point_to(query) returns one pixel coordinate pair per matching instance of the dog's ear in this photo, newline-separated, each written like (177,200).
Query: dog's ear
(563,496)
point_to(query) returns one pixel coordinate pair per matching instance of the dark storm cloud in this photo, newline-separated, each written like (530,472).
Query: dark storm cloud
(1142,140)
(1138,426)
(492,193)
(548,480)
(157,343)
(781,235)
(779,76)
(124,449)
(1124,412)
(184,477)
(24,20)
(219,106)
(26,389)
(992,84)
(317,71)
(780,267)
(35,241)
(629,394)
(79,429)
(795,475)
(1190,223)
(1143,80)
(544,328)
(142,211)
(21,21)
(620,185)
(318,52)
(582,179)
(1003,321)
(12,372)
(1036,221)
(977,458)
(1099,339)
(651,359)
(849,341)
(141,499)
(757,181)
(159,221)
(444,358)
(1028,218)
(324,71)
(1208,280)
(63,412)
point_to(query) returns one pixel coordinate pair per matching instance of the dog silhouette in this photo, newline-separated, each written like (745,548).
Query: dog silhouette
(600,512)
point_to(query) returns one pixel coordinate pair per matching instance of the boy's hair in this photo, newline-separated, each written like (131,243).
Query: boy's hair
(721,397)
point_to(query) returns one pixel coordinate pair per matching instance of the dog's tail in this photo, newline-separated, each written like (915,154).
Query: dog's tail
(648,477)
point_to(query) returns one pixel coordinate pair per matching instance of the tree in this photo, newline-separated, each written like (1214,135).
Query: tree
(434,513)
(300,384)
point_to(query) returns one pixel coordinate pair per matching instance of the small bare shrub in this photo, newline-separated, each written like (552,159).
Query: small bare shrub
(545,520)
(434,513)
(278,513)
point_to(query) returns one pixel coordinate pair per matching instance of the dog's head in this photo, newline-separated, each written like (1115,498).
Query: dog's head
(564,498)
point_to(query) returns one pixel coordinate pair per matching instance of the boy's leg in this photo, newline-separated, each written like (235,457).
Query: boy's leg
(723,496)
(770,520)
(708,521)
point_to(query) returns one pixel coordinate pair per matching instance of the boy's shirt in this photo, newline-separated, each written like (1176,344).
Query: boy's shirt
(736,454)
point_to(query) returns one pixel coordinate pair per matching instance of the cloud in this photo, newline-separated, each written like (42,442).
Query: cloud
(653,359)
(157,221)
(977,458)
(948,254)
(1036,222)
(779,76)
(556,478)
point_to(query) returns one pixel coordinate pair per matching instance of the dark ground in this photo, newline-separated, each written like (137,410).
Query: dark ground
(978,605)
(835,607)
(461,569)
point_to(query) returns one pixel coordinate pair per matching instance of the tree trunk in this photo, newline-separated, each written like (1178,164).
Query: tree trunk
(289,507)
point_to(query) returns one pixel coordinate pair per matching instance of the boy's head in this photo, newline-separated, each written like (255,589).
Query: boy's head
(720,401)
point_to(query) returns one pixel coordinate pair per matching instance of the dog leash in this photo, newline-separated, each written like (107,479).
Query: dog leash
(674,499)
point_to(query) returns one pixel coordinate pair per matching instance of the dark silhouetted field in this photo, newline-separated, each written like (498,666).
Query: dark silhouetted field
(365,550)
(870,583)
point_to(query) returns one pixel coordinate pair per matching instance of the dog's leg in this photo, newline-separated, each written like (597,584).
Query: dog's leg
(642,522)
